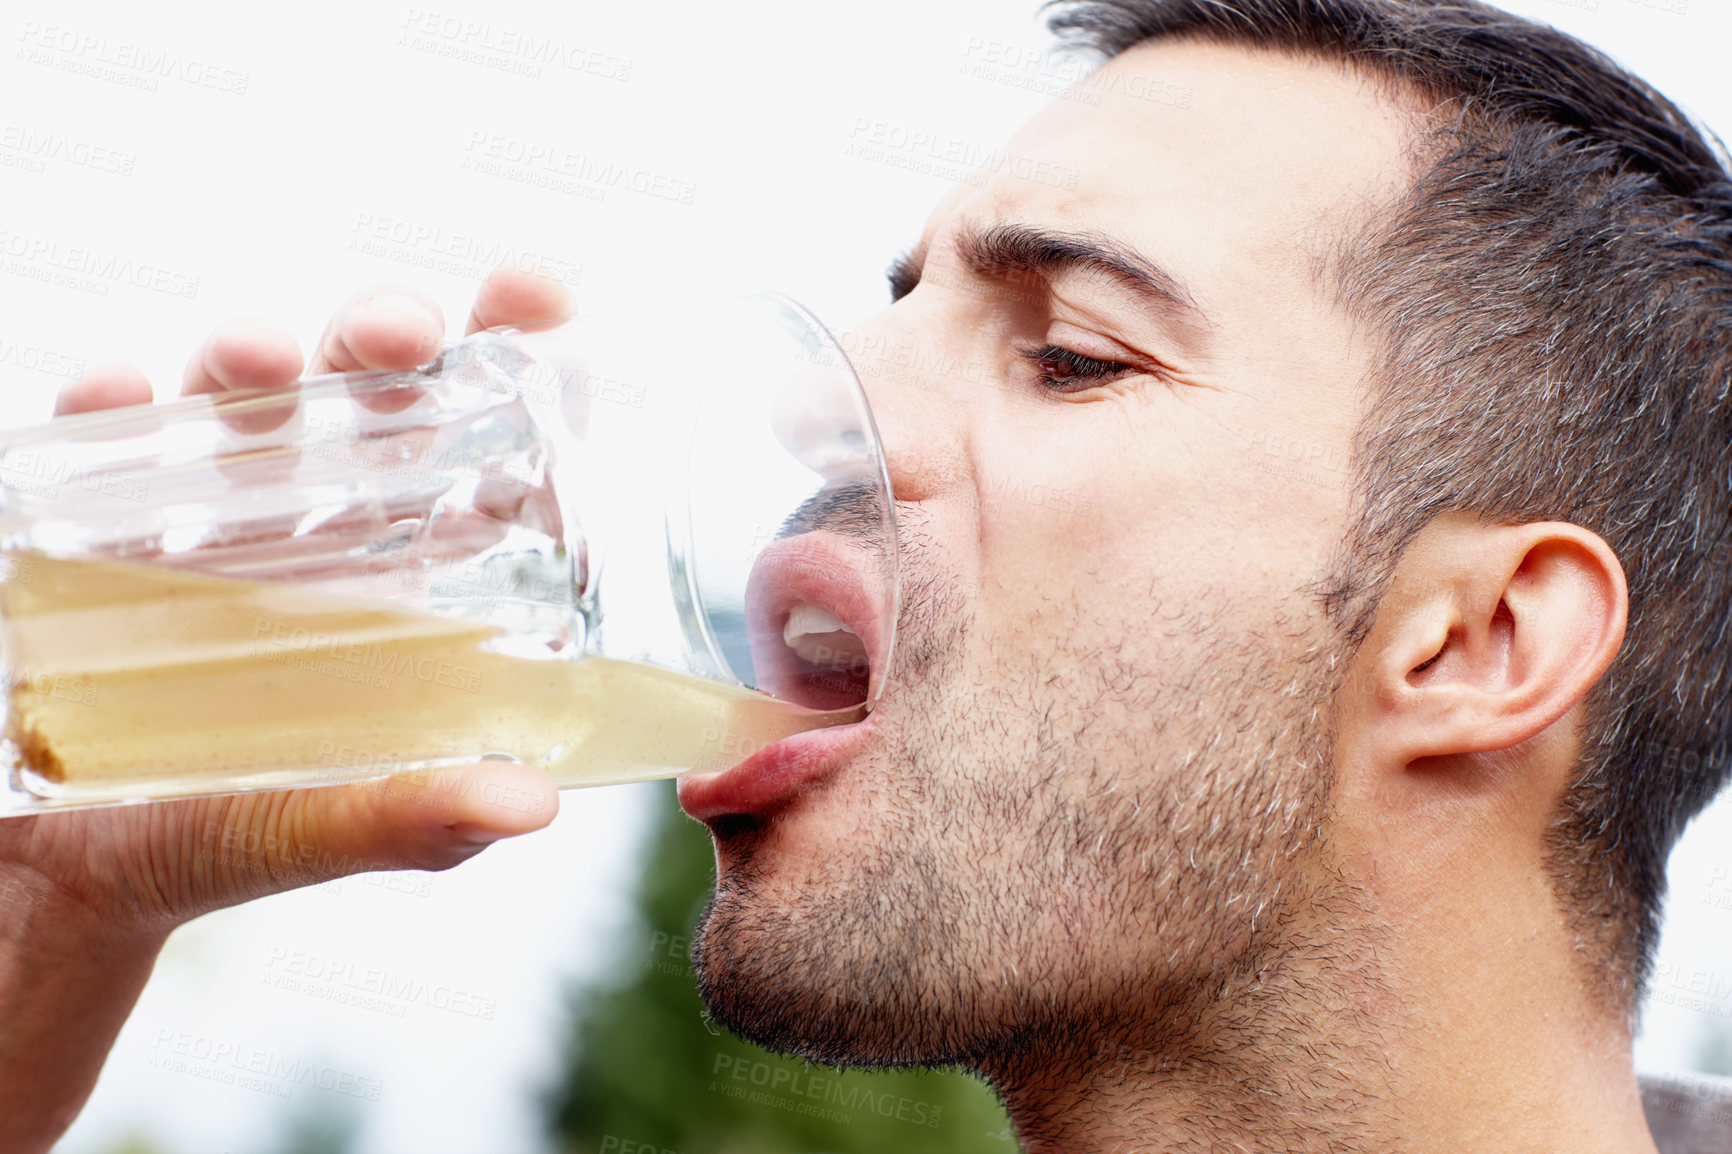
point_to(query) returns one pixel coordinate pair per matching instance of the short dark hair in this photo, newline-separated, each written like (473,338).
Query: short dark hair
(1552,300)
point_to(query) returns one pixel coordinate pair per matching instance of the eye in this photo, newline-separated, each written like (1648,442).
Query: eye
(1063,371)
(904,275)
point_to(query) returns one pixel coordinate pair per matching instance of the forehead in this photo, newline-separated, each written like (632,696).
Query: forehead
(1231,166)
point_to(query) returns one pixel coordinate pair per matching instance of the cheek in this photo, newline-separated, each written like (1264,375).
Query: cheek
(1101,544)
(1072,488)
(1160,493)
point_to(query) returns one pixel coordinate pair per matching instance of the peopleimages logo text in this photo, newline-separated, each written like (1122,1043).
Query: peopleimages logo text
(146,62)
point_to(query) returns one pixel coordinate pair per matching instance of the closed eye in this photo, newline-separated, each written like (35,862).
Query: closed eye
(904,273)
(1062,370)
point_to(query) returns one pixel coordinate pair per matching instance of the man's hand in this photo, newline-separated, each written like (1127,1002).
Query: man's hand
(87,898)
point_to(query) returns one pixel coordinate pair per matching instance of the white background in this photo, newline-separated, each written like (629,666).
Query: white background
(343,161)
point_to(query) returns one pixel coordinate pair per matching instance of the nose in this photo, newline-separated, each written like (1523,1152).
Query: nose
(910,378)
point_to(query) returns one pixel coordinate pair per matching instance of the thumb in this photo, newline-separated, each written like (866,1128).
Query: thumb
(427,820)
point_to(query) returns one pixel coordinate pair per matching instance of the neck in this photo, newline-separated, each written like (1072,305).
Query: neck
(1350,1030)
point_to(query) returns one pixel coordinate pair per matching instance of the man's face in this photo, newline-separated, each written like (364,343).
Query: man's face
(1101,755)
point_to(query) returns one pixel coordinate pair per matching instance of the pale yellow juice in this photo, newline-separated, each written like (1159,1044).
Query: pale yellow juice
(139,682)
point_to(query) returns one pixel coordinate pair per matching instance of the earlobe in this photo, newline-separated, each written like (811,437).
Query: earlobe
(1488,635)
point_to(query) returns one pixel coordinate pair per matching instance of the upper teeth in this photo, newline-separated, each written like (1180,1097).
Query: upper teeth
(820,638)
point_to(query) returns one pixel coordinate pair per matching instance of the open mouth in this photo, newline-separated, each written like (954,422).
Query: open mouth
(820,629)
(817,630)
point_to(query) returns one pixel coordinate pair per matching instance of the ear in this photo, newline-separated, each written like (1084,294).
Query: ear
(1488,635)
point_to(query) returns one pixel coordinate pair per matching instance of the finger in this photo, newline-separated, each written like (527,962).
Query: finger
(106,386)
(246,354)
(509,297)
(430,820)
(242,354)
(381,327)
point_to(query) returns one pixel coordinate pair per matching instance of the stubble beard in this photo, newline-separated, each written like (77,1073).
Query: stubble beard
(1081,865)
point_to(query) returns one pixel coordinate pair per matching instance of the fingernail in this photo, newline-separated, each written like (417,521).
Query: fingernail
(471,834)
(406,306)
(402,312)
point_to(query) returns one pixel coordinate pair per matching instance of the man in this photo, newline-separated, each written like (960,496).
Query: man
(1222,796)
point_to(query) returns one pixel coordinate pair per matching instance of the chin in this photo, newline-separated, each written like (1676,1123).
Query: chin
(809,977)
(791,1013)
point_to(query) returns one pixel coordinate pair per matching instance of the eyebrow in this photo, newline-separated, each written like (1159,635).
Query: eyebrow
(1001,250)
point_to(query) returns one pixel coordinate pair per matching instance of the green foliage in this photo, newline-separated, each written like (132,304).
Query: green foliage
(311,1130)
(328,1130)
(648,1073)
(1715,1053)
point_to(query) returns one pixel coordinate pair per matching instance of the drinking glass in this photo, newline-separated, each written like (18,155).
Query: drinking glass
(621,547)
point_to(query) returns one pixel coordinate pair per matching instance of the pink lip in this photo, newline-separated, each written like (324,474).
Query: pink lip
(774,776)
(818,568)
(821,569)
